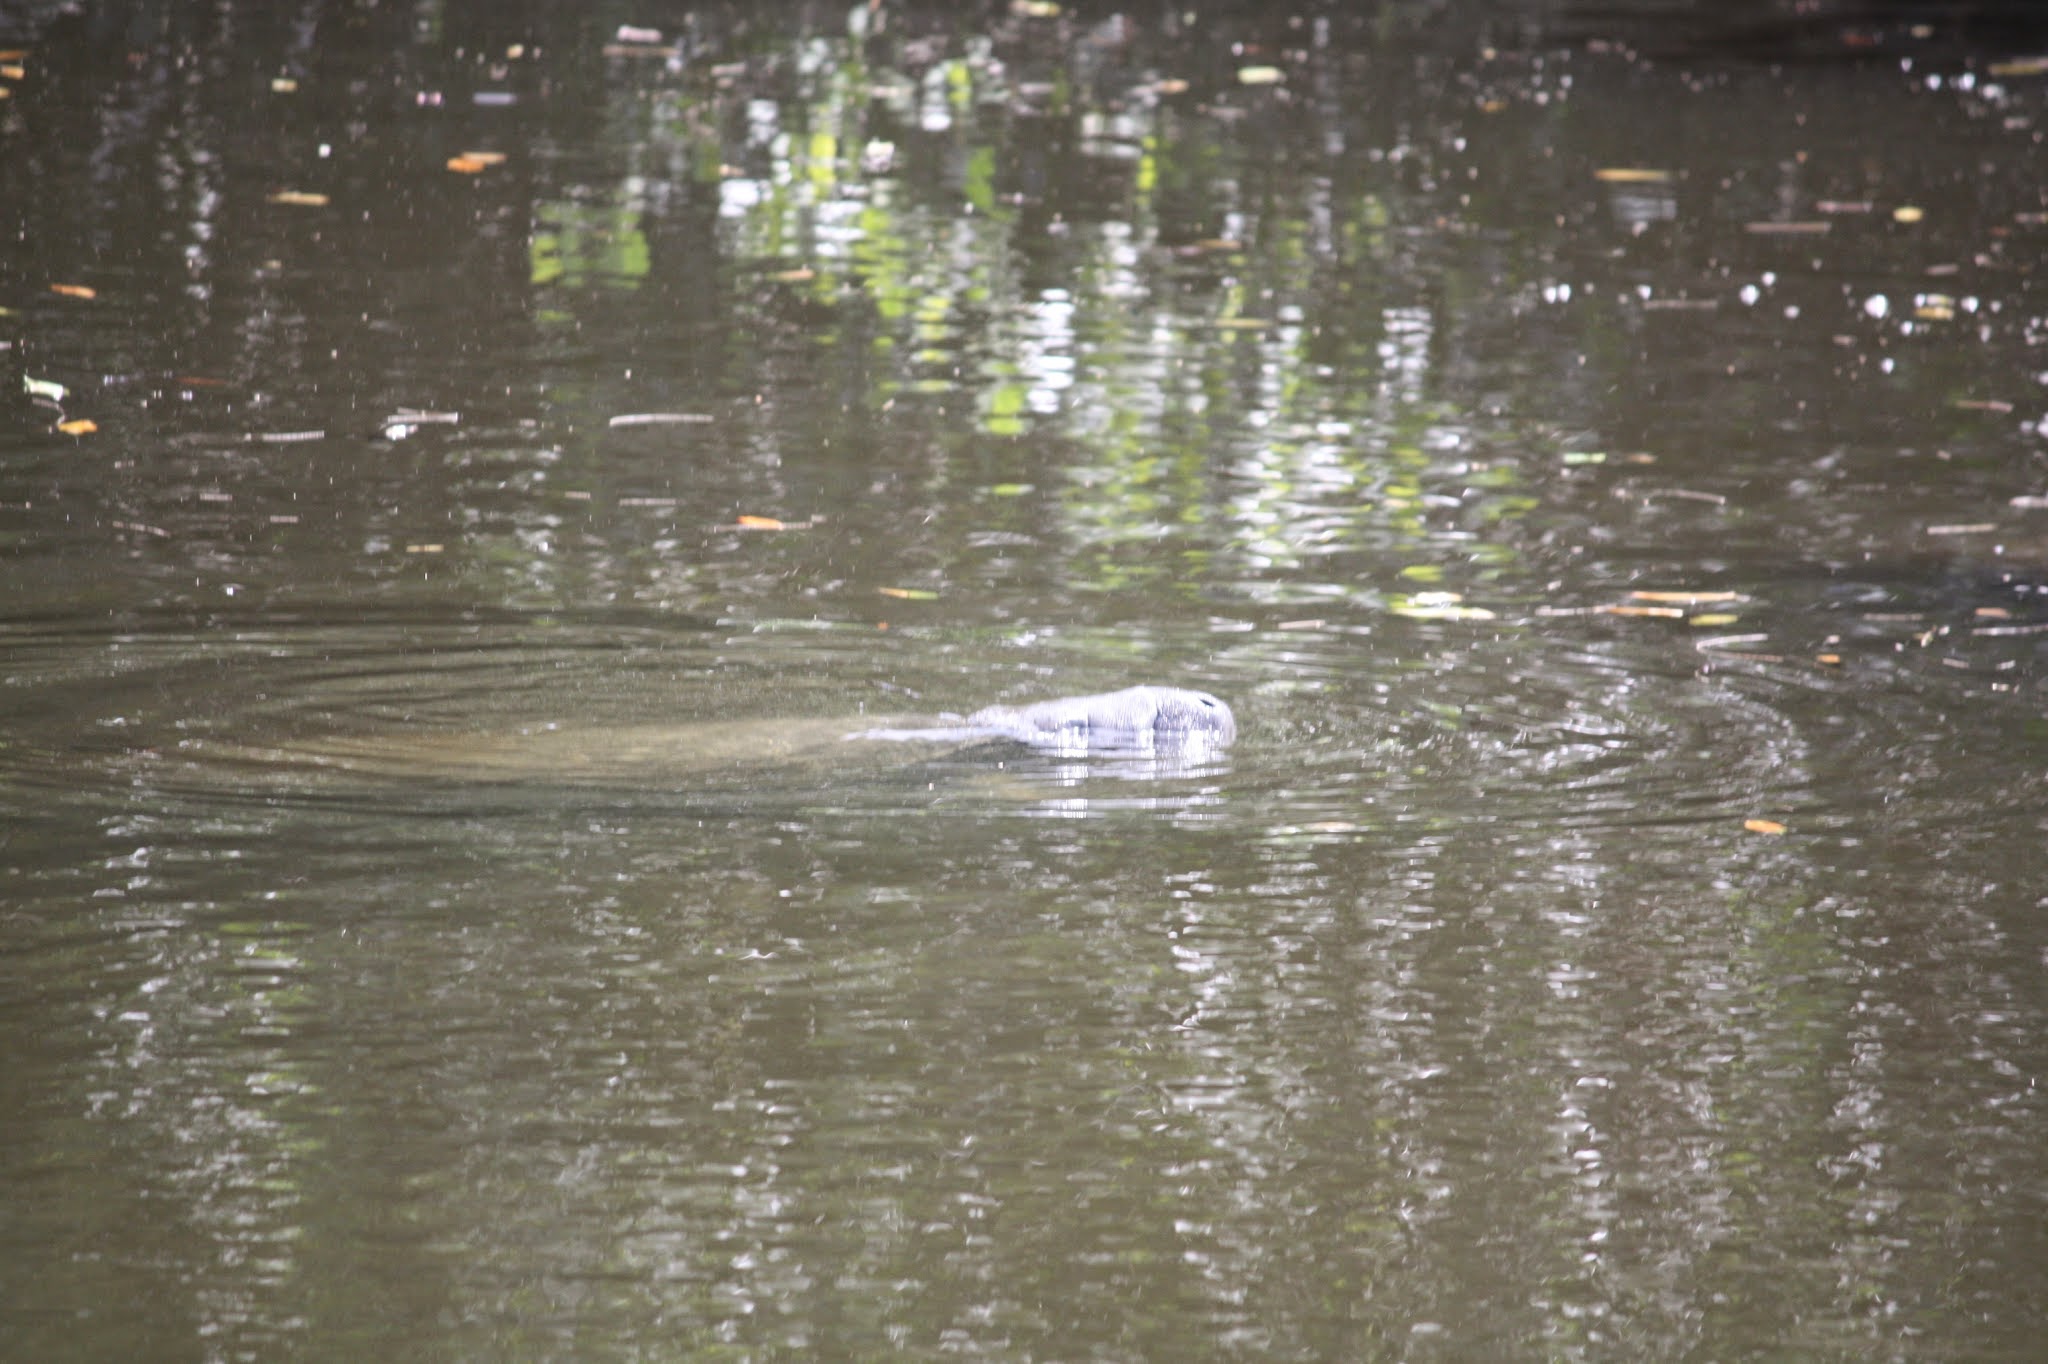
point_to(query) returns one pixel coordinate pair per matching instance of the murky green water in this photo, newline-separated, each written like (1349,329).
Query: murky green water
(1603,468)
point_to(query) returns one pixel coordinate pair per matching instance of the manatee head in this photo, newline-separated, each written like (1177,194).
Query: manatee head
(1136,717)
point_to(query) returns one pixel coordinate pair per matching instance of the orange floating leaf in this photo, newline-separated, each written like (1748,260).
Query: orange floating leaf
(74,290)
(78,426)
(466,165)
(1659,612)
(1763,826)
(762,523)
(1688,598)
(1632,175)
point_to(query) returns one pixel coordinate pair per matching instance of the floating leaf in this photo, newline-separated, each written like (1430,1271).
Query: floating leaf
(796,276)
(1585,457)
(74,290)
(1260,75)
(1437,606)
(762,523)
(424,549)
(1686,598)
(283,85)
(466,164)
(657,418)
(1830,660)
(1654,612)
(1632,175)
(1012,490)
(2020,66)
(1714,618)
(78,426)
(1763,826)
(908,593)
(298,198)
(1908,213)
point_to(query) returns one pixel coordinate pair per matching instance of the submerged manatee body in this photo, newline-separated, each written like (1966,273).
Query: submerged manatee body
(1136,719)
(1165,727)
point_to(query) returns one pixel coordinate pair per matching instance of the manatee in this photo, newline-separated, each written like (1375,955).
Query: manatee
(1170,723)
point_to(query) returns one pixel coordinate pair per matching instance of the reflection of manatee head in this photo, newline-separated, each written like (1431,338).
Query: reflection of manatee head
(1136,717)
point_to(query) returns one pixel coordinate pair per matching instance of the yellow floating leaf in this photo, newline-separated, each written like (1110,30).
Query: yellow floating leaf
(1632,175)
(298,198)
(424,549)
(1437,606)
(78,426)
(487,158)
(74,290)
(908,593)
(283,85)
(1034,9)
(2020,66)
(762,523)
(1763,826)
(1907,213)
(1830,660)
(1714,618)
(1260,75)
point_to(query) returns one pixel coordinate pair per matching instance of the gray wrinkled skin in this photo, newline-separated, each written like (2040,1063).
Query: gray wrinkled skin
(1136,719)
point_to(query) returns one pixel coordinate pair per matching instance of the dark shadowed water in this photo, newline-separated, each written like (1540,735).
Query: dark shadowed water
(463,465)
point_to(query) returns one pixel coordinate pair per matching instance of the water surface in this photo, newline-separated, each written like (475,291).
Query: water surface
(1601,465)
